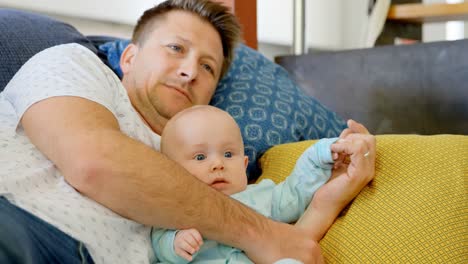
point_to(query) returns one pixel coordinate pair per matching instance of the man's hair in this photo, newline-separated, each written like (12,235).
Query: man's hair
(219,16)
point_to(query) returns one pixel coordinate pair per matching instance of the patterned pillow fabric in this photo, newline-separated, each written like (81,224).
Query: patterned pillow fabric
(268,106)
(23,34)
(414,211)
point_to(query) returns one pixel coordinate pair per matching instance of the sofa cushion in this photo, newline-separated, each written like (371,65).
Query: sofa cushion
(24,34)
(268,106)
(414,211)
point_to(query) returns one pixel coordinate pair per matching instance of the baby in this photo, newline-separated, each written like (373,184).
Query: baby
(207,142)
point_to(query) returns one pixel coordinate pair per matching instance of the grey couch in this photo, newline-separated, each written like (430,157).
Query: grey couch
(412,89)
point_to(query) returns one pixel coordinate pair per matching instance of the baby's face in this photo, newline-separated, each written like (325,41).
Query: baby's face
(209,145)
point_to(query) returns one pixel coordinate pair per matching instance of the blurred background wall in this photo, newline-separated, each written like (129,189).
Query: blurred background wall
(329,25)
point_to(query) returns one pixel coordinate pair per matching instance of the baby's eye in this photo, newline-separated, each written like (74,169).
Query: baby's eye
(228,154)
(200,157)
(208,68)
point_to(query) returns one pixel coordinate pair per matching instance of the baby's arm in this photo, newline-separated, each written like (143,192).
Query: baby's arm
(170,246)
(312,170)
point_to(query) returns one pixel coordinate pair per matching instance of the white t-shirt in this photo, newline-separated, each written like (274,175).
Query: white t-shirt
(31,181)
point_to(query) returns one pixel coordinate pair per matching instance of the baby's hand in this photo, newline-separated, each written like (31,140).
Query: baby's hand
(339,159)
(187,242)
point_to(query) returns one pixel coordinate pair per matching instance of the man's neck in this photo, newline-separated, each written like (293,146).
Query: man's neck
(149,116)
(152,119)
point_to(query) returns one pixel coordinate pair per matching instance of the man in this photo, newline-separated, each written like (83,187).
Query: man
(81,159)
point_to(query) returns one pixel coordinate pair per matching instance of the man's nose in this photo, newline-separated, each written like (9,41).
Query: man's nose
(188,69)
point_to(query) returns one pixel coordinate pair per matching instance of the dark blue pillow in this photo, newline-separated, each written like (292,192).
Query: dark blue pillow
(23,34)
(268,106)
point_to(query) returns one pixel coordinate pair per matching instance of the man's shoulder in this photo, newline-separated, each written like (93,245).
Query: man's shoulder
(68,48)
(68,69)
(65,52)
(72,62)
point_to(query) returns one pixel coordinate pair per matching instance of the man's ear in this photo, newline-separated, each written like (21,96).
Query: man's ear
(246,161)
(127,57)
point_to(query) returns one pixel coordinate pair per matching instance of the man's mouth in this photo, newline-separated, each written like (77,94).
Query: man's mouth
(180,90)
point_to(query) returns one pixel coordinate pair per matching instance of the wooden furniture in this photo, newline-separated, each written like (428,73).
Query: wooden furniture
(246,12)
(419,13)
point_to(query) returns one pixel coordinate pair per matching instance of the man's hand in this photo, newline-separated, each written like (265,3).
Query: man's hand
(354,128)
(187,242)
(340,159)
(358,173)
(358,148)
(355,152)
(285,241)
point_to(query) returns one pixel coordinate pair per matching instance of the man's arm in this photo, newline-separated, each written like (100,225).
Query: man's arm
(83,140)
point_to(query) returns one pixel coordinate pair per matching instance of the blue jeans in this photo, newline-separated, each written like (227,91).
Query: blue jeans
(24,238)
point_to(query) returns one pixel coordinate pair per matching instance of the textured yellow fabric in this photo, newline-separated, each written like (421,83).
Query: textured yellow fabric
(414,211)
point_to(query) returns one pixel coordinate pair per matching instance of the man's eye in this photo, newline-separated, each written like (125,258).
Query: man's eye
(200,157)
(175,47)
(228,154)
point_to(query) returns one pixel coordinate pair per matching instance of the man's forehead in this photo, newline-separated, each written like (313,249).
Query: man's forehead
(183,25)
(182,21)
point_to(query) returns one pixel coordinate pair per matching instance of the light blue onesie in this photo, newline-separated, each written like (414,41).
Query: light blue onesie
(284,202)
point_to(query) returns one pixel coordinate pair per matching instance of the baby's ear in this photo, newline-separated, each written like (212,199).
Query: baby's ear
(246,161)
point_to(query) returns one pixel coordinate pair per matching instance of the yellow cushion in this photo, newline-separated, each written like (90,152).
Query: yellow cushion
(414,211)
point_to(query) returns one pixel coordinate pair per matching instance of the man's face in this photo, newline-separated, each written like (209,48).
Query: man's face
(177,66)
(209,145)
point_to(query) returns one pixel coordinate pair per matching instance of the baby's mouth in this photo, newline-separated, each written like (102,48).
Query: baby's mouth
(219,184)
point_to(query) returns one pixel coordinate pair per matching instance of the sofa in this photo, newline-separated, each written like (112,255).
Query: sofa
(414,98)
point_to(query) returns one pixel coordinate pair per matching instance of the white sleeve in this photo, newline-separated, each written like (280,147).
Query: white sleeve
(64,70)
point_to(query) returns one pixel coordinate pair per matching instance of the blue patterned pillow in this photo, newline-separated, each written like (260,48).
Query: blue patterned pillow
(268,106)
